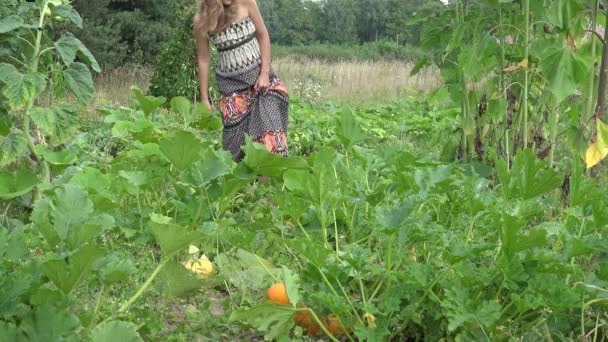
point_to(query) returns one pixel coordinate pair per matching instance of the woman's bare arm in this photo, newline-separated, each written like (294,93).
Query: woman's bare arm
(263,39)
(204,60)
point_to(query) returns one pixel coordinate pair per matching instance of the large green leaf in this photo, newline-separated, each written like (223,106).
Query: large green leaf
(80,82)
(349,130)
(181,105)
(41,217)
(59,123)
(15,185)
(87,233)
(12,146)
(564,70)
(205,119)
(115,331)
(273,319)
(5,129)
(69,216)
(20,88)
(529,176)
(68,273)
(10,23)
(115,268)
(142,130)
(63,157)
(148,103)
(9,331)
(69,46)
(292,285)
(67,13)
(179,281)
(173,238)
(562,12)
(510,233)
(93,180)
(213,164)
(265,163)
(313,252)
(72,207)
(461,309)
(182,150)
(50,324)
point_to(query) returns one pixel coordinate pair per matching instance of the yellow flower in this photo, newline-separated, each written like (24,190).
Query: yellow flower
(371,320)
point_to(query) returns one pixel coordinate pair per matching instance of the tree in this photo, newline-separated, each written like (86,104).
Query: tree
(134,31)
(340,21)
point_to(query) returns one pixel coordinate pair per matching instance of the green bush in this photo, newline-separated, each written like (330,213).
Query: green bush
(376,51)
(7,7)
(175,72)
(119,32)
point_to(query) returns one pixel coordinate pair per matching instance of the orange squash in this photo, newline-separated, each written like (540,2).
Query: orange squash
(305,320)
(277,294)
(332,324)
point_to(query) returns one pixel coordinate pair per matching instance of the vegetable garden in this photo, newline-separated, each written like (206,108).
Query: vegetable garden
(476,213)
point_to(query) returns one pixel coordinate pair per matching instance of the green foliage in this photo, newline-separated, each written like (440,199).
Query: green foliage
(532,78)
(303,22)
(26,76)
(375,51)
(274,319)
(175,72)
(15,185)
(19,88)
(114,331)
(8,7)
(119,32)
(366,225)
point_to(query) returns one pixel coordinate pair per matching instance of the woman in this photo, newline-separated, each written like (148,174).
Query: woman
(252,100)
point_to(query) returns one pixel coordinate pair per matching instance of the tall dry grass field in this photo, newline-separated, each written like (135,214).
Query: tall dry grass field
(114,86)
(314,81)
(354,81)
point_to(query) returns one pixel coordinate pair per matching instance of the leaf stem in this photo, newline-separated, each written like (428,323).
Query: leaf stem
(143,288)
(336,236)
(97,306)
(266,269)
(303,230)
(322,326)
(526,77)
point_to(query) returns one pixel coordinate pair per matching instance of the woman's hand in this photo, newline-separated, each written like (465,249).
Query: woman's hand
(262,84)
(209,105)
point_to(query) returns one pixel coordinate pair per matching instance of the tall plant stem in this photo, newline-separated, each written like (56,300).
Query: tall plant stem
(600,109)
(590,95)
(143,288)
(503,63)
(46,174)
(465,113)
(554,123)
(526,74)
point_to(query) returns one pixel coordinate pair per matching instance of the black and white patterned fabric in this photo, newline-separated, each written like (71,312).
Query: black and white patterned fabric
(263,116)
(237,46)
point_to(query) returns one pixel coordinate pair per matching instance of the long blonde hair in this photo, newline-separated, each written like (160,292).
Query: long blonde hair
(212,16)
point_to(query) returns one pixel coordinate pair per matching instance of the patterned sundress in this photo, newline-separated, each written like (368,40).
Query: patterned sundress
(263,116)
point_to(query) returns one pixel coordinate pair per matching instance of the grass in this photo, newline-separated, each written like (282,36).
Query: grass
(315,81)
(353,81)
(114,86)
(375,51)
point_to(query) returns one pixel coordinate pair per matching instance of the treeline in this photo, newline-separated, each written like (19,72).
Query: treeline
(134,31)
(299,22)
(127,31)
